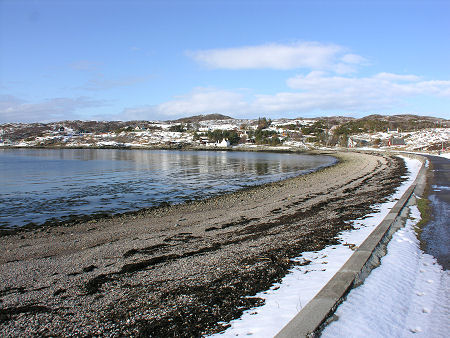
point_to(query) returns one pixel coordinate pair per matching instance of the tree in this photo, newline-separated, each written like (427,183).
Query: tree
(196,136)
(343,140)
(218,135)
(177,128)
(266,137)
(264,123)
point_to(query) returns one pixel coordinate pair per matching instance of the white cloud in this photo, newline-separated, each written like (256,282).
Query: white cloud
(325,87)
(206,100)
(310,55)
(315,92)
(353,59)
(396,77)
(380,85)
(199,101)
(318,91)
(317,102)
(13,109)
(321,92)
(144,112)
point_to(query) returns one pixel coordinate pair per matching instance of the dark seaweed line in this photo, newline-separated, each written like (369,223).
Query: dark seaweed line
(8,313)
(252,232)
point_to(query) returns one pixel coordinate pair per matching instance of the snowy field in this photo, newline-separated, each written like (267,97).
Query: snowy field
(284,300)
(407,295)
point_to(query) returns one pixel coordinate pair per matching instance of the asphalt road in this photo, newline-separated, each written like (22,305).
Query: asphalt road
(436,234)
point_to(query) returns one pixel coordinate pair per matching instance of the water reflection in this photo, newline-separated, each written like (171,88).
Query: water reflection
(41,184)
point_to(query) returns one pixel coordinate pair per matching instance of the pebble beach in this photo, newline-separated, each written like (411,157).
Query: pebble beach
(181,270)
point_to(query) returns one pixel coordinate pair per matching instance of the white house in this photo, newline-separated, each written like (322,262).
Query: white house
(224,143)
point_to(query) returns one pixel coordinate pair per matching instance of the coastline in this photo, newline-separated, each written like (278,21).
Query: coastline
(74,219)
(180,147)
(182,269)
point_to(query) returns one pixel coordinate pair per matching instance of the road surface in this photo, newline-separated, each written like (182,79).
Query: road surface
(436,234)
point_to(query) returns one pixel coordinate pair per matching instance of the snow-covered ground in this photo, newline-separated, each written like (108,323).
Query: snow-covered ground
(407,295)
(284,300)
(157,133)
(413,140)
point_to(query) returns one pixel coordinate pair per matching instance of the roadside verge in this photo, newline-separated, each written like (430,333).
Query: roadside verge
(315,315)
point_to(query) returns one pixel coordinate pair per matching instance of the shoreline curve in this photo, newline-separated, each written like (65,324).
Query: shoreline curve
(187,269)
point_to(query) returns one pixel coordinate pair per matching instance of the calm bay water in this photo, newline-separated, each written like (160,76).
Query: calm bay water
(37,185)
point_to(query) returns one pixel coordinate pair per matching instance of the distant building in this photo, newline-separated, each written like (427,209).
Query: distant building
(204,140)
(225,143)
(396,141)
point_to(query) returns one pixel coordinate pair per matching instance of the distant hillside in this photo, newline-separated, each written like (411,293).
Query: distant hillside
(22,131)
(330,121)
(338,119)
(429,121)
(377,123)
(198,118)
(327,130)
(405,118)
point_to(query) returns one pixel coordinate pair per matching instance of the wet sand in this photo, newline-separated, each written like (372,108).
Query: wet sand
(182,270)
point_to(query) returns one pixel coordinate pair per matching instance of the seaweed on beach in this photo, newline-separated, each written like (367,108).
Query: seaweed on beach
(9,313)
(207,274)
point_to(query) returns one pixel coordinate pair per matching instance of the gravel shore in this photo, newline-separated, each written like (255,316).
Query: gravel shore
(183,270)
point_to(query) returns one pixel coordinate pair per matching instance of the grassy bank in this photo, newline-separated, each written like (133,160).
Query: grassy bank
(423,204)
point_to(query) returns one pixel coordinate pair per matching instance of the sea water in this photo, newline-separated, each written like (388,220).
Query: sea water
(38,185)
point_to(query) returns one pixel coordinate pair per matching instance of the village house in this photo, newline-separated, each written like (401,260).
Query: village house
(396,141)
(224,143)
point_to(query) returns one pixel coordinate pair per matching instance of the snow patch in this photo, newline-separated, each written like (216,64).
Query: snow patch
(406,295)
(284,300)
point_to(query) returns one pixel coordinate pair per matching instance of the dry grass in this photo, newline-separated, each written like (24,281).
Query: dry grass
(423,204)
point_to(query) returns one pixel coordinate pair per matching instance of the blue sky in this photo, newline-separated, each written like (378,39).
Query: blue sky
(152,60)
